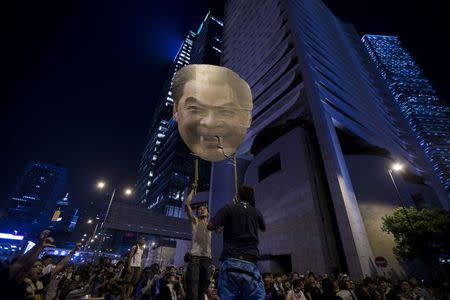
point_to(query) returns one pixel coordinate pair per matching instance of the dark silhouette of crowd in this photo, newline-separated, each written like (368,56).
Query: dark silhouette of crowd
(28,277)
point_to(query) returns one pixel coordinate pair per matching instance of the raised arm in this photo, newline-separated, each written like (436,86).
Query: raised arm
(187,204)
(63,262)
(24,263)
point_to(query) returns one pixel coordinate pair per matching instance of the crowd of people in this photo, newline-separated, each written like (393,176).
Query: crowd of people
(43,279)
(30,276)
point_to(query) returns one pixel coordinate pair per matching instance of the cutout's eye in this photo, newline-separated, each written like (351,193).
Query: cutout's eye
(227,112)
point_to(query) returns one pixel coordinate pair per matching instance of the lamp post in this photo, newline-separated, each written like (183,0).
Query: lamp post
(397,167)
(101,185)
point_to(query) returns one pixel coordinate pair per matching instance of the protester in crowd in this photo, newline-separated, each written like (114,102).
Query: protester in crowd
(173,289)
(239,276)
(296,293)
(407,292)
(330,289)
(268,282)
(198,268)
(211,292)
(366,291)
(287,286)
(278,287)
(312,288)
(345,288)
(417,289)
(134,266)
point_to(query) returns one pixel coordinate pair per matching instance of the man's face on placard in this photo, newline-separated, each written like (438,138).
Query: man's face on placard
(210,116)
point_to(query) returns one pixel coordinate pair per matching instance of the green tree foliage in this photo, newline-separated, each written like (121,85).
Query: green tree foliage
(424,237)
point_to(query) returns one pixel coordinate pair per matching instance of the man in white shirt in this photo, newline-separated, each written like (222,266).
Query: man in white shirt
(134,266)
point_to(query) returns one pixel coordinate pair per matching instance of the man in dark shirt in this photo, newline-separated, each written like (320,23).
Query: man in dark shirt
(239,276)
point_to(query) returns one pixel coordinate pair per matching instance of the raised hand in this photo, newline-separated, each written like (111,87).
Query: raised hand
(45,239)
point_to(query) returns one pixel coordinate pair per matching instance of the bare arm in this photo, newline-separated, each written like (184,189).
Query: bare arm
(63,262)
(25,262)
(130,256)
(187,205)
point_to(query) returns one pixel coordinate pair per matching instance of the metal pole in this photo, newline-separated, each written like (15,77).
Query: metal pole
(107,215)
(109,207)
(400,199)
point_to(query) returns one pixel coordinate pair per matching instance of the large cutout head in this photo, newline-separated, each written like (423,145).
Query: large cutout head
(213,108)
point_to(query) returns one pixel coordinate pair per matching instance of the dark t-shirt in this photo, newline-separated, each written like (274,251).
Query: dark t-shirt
(240,229)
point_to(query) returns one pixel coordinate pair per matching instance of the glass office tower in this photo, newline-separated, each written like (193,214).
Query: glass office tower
(426,114)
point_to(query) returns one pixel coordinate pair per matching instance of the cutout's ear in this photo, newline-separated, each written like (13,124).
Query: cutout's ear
(175,111)
(250,119)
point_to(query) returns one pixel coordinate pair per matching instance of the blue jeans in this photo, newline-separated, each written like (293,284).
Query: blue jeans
(240,279)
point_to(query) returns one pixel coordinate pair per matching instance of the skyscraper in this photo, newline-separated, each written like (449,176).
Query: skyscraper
(427,115)
(161,121)
(172,164)
(36,194)
(323,135)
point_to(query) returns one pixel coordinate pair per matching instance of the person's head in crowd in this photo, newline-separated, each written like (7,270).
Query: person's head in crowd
(171,278)
(171,269)
(36,270)
(246,194)
(141,240)
(46,260)
(383,283)
(211,292)
(212,106)
(146,273)
(268,280)
(287,285)
(369,283)
(154,268)
(297,285)
(405,287)
(294,276)
(330,286)
(202,211)
(278,278)
(344,282)
(413,281)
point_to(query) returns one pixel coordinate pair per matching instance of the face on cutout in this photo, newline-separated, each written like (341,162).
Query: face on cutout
(212,121)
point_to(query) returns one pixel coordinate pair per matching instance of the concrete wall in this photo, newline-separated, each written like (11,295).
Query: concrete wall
(297,222)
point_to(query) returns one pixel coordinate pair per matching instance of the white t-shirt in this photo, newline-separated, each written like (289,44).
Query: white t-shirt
(48,268)
(136,259)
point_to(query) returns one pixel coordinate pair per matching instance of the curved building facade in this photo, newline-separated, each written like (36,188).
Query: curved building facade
(315,92)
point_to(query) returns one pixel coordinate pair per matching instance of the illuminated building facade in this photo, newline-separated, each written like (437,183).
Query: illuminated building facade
(167,169)
(161,123)
(36,194)
(324,134)
(426,114)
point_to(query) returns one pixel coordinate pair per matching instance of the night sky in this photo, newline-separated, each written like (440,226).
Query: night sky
(82,77)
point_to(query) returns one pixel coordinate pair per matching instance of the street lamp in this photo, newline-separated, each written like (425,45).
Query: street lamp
(398,167)
(89,221)
(101,184)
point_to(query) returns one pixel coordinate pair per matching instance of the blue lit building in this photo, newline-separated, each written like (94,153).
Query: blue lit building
(161,122)
(324,134)
(35,196)
(425,112)
(167,168)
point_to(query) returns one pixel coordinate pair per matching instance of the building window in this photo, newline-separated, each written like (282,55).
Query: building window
(173,211)
(269,167)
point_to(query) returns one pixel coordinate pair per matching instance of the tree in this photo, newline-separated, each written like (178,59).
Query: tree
(425,236)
